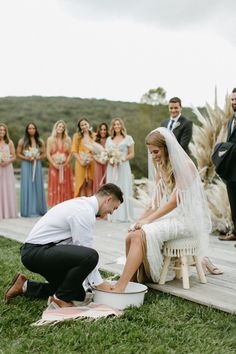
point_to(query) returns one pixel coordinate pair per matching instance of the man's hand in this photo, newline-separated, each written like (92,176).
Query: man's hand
(104,286)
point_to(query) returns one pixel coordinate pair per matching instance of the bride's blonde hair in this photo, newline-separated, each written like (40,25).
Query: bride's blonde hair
(165,169)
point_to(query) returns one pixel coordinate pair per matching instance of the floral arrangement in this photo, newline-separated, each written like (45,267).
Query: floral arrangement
(176,125)
(85,158)
(4,156)
(115,156)
(59,158)
(99,152)
(33,153)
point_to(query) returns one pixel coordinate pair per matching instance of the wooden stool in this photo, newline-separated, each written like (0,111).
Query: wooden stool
(181,249)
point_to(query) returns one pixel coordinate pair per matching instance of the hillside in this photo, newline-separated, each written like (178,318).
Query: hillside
(139,119)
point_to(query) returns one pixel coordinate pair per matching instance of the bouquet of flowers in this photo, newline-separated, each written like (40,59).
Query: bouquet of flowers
(33,153)
(4,156)
(115,156)
(85,158)
(59,158)
(85,161)
(101,154)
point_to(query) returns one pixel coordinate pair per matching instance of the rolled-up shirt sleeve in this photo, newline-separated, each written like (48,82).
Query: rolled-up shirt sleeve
(95,278)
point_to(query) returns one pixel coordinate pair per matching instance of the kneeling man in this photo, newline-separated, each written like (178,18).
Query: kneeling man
(59,248)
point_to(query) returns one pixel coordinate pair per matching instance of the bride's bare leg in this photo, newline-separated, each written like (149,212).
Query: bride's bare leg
(133,261)
(127,247)
(127,243)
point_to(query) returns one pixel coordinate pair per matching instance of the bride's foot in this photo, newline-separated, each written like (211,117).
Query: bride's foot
(208,265)
(118,289)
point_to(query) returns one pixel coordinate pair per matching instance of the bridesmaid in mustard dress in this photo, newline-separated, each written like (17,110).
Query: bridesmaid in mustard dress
(60,177)
(84,166)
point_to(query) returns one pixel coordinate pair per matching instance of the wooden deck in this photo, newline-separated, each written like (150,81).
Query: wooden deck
(219,292)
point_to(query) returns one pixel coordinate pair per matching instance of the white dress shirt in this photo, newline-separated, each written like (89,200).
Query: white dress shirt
(70,222)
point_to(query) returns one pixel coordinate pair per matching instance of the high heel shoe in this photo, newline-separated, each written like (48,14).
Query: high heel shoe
(208,265)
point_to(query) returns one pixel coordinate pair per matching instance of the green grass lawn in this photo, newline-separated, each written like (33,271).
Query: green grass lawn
(164,324)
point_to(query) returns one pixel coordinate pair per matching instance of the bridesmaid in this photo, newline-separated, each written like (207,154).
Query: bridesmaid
(60,177)
(7,179)
(31,150)
(100,168)
(120,173)
(84,167)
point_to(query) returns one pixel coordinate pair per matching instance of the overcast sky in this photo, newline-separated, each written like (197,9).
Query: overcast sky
(119,49)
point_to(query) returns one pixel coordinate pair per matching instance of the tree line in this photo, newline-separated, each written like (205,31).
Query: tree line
(139,118)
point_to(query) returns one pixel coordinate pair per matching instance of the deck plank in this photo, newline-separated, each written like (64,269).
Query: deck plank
(109,240)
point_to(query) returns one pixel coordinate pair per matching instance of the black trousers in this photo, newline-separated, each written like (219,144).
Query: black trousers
(231,190)
(64,267)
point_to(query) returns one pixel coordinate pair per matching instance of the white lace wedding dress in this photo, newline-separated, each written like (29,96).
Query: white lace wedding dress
(168,227)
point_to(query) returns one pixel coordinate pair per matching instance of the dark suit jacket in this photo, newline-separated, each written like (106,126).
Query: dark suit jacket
(231,137)
(183,131)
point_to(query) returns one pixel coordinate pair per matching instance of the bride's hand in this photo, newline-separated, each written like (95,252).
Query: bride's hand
(140,223)
(131,227)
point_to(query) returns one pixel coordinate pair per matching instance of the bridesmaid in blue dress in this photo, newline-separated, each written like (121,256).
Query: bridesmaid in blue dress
(31,150)
(119,143)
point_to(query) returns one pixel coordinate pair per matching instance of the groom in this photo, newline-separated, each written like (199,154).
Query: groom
(179,125)
(231,181)
(59,247)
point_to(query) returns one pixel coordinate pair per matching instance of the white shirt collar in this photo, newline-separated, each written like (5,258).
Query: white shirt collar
(176,118)
(94,203)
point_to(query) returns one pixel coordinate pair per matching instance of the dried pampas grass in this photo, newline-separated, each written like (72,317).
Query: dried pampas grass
(142,192)
(219,205)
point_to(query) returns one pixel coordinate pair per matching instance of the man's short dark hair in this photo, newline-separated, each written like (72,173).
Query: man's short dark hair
(176,100)
(234,90)
(111,189)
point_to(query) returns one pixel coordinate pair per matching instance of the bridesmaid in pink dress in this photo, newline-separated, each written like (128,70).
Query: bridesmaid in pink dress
(100,168)
(60,177)
(7,179)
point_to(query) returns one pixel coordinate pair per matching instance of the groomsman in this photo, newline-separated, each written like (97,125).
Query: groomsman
(231,181)
(181,127)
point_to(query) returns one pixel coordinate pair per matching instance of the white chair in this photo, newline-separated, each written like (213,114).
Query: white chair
(181,250)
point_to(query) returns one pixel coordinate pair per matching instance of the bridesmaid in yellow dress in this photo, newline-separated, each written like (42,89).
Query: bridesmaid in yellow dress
(84,167)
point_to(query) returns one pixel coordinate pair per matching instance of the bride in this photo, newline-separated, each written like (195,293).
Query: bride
(179,209)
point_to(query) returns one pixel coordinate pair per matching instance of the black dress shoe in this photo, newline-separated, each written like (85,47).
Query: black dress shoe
(227,237)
